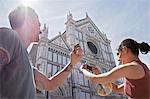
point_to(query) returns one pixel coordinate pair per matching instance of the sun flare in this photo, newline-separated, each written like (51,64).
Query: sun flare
(27,2)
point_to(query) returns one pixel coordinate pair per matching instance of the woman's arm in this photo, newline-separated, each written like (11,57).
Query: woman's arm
(129,70)
(118,89)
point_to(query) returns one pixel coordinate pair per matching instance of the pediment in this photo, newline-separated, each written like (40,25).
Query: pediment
(59,41)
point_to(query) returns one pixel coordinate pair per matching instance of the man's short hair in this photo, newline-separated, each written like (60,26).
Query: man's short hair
(18,15)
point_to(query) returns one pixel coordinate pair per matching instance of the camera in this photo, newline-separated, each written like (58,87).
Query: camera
(88,67)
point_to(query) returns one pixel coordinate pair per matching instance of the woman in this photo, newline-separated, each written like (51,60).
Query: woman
(135,72)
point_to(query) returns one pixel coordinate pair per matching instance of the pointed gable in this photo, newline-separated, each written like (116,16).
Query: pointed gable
(87,26)
(59,41)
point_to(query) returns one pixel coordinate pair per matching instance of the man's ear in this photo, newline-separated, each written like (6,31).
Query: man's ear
(126,50)
(28,21)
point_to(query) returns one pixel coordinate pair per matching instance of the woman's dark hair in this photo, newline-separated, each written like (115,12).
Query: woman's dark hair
(135,47)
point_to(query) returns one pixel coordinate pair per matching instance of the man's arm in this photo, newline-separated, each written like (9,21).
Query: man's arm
(42,82)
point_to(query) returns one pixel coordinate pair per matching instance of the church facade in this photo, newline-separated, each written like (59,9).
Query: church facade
(50,56)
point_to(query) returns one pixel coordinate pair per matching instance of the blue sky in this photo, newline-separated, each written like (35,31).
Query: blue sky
(119,19)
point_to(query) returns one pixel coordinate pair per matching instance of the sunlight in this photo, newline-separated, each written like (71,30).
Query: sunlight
(27,2)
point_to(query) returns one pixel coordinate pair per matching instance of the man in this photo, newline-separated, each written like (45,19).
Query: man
(17,77)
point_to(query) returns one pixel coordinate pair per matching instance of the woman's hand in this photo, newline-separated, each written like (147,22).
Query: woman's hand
(90,72)
(95,70)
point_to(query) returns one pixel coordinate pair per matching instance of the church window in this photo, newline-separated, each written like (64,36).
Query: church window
(88,96)
(54,57)
(50,55)
(64,60)
(82,95)
(49,70)
(59,58)
(54,69)
(92,47)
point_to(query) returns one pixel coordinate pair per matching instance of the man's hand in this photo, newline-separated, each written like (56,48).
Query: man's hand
(76,55)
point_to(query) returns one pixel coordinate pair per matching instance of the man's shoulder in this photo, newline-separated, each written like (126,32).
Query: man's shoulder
(4,32)
(9,37)
(5,39)
(10,41)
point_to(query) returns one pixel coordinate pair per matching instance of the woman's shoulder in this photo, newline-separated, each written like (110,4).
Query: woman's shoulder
(136,70)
